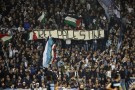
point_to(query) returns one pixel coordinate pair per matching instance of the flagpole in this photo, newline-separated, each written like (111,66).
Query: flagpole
(119,21)
(120,39)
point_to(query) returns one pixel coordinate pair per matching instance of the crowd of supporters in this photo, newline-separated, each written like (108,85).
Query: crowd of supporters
(82,64)
(25,14)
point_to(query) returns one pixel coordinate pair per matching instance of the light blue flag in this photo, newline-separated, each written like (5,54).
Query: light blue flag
(106,4)
(47,55)
(110,8)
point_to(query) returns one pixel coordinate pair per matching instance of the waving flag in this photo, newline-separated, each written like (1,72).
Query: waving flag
(42,18)
(110,8)
(34,36)
(5,37)
(47,54)
(74,22)
(70,21)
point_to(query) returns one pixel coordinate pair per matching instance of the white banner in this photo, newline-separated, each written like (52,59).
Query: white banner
(68,34)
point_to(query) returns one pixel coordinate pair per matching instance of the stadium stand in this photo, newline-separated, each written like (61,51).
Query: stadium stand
(81,65)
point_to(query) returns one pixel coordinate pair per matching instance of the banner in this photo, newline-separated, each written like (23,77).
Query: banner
(68,34)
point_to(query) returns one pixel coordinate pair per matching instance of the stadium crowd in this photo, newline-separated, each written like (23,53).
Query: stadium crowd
(82,64)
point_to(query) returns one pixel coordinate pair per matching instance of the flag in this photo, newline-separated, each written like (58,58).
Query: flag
(2,35)
(42,18)
(34,36)
(110,8)
(47,54)
(105,6)
(71,21)
(6,38)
